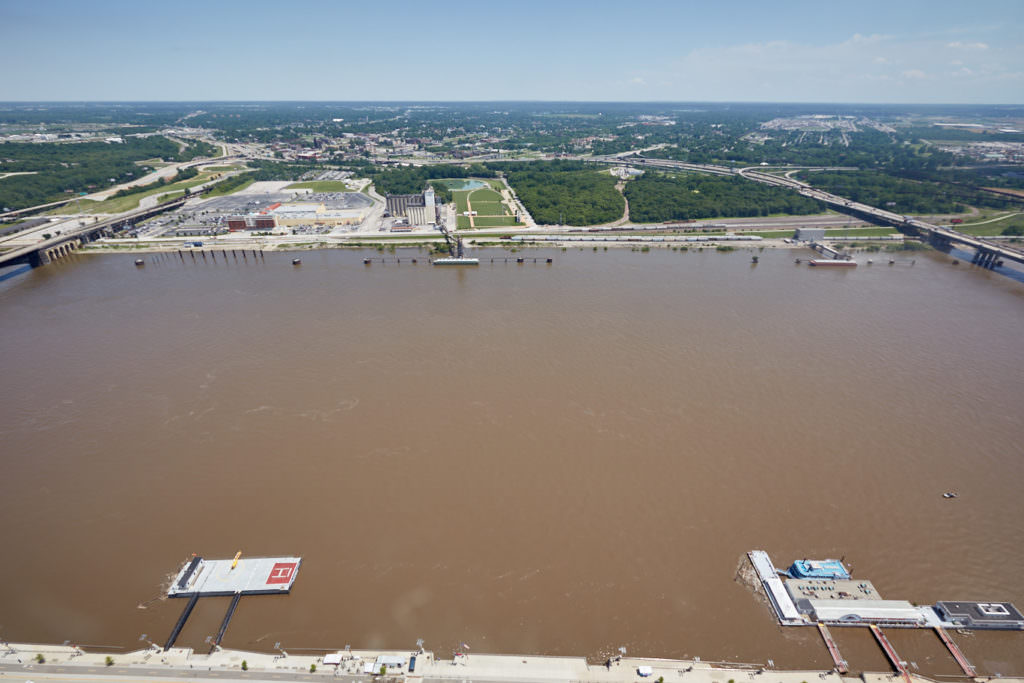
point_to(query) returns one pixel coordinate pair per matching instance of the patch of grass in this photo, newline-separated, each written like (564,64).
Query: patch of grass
(129,202)
(460,201)
(226,187)
(994,228)
(321,186)
(484,195)
(490,208)
(494,221)
(462,222)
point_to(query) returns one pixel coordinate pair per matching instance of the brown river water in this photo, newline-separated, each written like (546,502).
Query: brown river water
(558,459)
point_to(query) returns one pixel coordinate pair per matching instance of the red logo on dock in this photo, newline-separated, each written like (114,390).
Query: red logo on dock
(282,572)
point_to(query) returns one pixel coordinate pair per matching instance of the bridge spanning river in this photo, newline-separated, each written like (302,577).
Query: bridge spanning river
(986,253)
(43,252)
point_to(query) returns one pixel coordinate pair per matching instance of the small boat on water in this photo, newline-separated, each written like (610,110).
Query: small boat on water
(139,262)
(818,569)
(832,262)
(950,494)
(296,262)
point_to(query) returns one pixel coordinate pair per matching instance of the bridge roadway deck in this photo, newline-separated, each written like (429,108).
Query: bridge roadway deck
(897,220)
(23,253)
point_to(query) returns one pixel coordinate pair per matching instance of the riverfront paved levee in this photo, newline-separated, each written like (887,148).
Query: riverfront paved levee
(18,662)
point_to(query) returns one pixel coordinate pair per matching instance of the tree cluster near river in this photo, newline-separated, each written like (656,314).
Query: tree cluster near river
(657,197)
(57,171)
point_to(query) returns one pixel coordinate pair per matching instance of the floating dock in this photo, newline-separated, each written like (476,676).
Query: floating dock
(236,577)
(833,263)
(831,589)
(246,576)
(783,605)
(980,615)
(463,261)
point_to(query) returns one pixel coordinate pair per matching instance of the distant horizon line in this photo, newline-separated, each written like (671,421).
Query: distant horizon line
(525,101)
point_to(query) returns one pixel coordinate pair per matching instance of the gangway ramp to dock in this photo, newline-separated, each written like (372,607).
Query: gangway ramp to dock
(891,653)
(833,649)
(968,669)
(779,598)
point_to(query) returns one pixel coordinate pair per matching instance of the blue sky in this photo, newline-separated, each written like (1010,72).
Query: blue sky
(632,50)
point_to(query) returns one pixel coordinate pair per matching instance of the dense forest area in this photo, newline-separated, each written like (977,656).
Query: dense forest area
(657,197)
(902,195)
(59,170)
(413,179)
(566,192)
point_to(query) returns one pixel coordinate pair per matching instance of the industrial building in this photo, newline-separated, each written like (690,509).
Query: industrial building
(296,214)
(420,209)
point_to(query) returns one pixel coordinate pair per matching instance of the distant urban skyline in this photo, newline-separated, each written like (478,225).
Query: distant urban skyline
(868,52)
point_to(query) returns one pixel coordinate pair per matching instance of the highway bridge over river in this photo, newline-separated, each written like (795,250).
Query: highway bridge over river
(41,253)
(987,253)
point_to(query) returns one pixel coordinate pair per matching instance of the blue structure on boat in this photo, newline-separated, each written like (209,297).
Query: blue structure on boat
(818,569)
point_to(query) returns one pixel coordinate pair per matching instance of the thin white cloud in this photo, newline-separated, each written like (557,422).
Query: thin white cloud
(869,68)
(959,45)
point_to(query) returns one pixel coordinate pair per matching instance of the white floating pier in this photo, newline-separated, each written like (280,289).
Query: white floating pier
(785,610)
(238,576)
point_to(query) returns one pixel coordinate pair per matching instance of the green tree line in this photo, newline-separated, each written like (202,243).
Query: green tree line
(656,197)
(571,193)
(902,195)
(412,179)
(61,170)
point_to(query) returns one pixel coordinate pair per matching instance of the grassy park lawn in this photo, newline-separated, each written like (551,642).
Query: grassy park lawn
(484,195)
(490,209)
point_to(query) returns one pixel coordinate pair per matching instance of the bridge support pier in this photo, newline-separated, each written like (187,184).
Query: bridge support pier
(941,243)
(985,258)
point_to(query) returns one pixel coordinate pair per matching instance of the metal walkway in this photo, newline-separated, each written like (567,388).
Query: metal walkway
(833,649)
(181,622)
(890,652)
(779,598)
(227,619)
(955,651)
